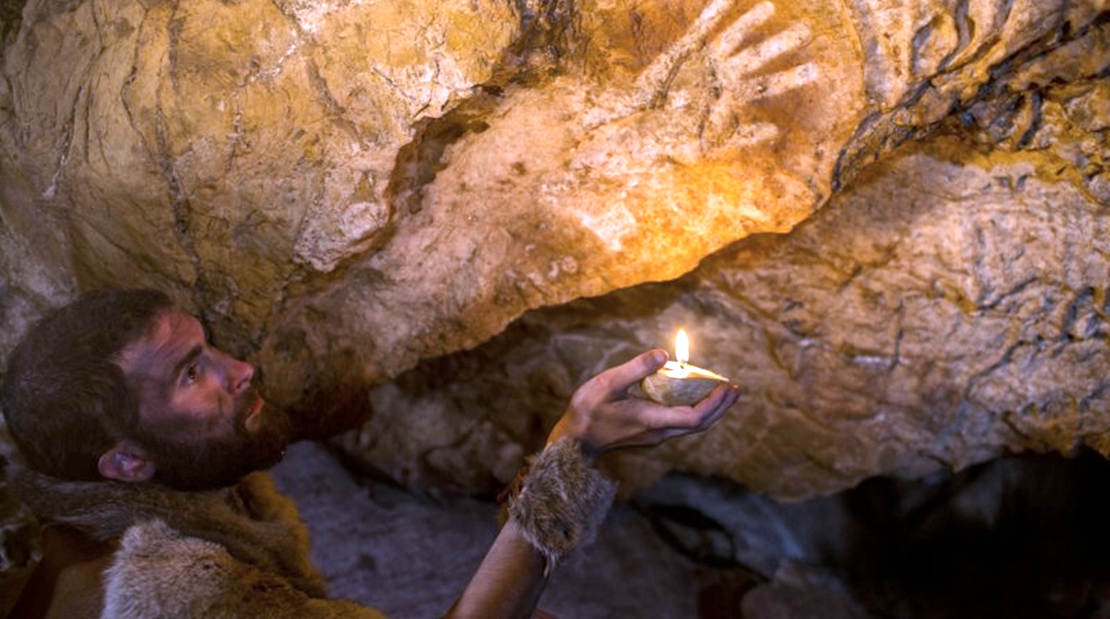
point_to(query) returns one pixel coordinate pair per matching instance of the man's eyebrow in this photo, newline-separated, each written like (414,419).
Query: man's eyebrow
(184,362)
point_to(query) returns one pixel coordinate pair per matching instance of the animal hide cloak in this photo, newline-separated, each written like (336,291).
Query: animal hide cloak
(236,552)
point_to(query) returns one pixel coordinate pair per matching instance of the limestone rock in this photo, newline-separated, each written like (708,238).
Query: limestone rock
(635,170)
(351,187)
(20,541)
(795,592)
(223,149)
(342,189)
(949,309)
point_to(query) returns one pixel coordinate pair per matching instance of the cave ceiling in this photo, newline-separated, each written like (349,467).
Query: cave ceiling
(885,221)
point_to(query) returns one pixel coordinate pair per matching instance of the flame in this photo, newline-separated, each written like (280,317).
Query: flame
(682,347)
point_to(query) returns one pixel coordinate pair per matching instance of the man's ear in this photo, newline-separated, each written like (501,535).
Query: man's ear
(125,461)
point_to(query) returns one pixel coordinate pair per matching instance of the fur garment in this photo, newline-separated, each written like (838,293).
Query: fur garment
(562,501)
(240,551)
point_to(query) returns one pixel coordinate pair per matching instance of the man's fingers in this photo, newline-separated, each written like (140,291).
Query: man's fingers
(658,417)
(606,419)
(714,406)
(619,378)
(698,417)
(722,396)
(730,395)
(645,364)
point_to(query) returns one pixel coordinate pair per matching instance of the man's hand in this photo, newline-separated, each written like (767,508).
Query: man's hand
(602,416)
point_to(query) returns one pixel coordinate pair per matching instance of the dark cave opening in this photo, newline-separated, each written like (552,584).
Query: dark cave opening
(1020,536)
(1023,536)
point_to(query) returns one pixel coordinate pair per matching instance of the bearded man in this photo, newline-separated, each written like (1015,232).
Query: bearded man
(145,452)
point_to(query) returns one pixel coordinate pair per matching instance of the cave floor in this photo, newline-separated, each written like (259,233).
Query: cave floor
(1018,537)
(410,556)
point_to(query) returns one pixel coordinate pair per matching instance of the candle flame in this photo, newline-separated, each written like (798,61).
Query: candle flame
(682,347)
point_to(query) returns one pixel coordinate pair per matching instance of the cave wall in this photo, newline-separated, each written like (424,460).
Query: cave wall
(943,313)
(885,222)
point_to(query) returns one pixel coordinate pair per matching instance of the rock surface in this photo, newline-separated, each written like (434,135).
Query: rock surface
(411,556)
(348,188)
(949,309)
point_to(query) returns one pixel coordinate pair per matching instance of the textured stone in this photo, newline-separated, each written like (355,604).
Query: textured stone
(221,149)
(341,189)
(350,187)
(413,555)
(949,309)
(20,543)
(795,592)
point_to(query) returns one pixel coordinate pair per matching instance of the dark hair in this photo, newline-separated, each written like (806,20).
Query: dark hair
(64,397)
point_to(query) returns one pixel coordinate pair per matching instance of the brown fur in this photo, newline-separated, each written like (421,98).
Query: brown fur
(235,552)
(562,502)
(161,573)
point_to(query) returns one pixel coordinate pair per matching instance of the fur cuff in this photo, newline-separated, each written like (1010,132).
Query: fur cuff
(562,502)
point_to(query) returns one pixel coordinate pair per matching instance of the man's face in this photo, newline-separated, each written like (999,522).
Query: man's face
(202,420)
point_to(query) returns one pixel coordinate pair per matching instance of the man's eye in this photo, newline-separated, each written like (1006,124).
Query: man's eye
(192,374)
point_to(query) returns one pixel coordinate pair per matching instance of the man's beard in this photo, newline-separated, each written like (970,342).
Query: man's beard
(224,460)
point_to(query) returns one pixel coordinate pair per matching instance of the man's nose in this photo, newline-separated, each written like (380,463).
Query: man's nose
(239,375)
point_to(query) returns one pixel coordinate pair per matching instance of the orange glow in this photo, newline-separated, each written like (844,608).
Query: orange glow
(681,347)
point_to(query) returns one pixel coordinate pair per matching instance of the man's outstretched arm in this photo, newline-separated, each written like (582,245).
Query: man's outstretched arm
(601,417)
